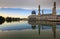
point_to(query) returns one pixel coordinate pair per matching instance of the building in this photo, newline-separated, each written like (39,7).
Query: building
(43,16)
(32,16)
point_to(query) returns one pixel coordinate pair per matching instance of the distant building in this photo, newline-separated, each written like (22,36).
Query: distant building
(44,16)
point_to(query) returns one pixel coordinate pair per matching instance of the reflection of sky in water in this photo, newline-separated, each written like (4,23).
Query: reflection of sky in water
(23,25)
(28,30)
(15,26)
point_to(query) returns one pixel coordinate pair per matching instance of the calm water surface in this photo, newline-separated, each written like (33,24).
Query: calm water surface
(30,30)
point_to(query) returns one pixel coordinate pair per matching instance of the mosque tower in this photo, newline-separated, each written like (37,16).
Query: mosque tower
(39,10)
(42,12)
(54,9)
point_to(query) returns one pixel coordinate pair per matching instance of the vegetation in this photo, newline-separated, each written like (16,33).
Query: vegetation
(8,19)
(2,19)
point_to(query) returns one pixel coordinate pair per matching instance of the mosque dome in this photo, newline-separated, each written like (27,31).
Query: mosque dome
(33,12)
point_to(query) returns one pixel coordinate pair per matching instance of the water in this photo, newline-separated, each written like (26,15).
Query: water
(30,30)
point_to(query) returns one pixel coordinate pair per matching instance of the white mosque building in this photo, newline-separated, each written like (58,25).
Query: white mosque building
(43,16)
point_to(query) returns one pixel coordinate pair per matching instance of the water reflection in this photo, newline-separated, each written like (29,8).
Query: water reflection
(1,22)
(44,23)
(39,25)
(33,24)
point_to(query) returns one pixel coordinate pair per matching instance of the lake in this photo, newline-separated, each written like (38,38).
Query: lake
(30,30)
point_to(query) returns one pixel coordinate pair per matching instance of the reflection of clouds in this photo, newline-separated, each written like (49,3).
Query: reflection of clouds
(7,30)
(0,30)
(3,30)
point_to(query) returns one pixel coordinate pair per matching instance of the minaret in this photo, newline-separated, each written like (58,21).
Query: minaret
(39,10)
(42,12)
(54,9)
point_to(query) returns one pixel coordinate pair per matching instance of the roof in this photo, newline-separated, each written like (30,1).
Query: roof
(33,12)
(47,14)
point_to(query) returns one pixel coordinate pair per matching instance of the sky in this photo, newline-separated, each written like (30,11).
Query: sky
(23,8)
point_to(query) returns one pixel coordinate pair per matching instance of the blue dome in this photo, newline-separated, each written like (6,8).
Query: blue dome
(33,12)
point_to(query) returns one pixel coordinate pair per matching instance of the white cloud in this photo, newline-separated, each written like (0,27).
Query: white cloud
(31,4)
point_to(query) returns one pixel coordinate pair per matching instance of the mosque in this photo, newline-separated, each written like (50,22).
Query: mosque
(43,16)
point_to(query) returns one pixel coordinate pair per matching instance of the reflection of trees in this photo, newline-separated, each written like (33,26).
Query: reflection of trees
(2,20)
(45,23)
(10,19)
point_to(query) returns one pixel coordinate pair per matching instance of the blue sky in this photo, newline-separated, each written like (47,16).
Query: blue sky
(14,12)
(22,13)
(23,8)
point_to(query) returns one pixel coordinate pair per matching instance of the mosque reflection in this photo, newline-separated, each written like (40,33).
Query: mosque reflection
(42,24)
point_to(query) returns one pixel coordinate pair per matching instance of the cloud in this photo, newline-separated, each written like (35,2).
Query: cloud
(28,3)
